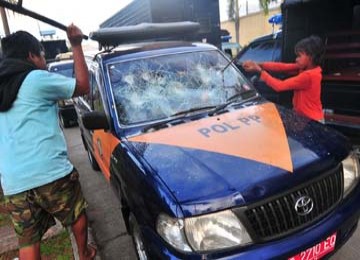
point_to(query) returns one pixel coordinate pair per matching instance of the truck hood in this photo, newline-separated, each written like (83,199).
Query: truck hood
(239,157)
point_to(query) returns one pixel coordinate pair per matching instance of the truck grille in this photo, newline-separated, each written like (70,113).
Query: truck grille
(278,217)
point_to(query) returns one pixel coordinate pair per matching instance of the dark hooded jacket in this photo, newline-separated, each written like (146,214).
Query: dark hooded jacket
(12,74)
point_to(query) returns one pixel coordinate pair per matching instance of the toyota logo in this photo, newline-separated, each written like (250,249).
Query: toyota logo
(304,205)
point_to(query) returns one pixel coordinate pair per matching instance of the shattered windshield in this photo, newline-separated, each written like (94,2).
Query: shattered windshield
(156,88)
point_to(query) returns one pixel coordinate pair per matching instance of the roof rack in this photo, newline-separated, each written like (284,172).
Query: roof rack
(113,36)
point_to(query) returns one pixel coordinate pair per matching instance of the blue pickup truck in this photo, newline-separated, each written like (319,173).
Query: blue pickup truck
(204,167)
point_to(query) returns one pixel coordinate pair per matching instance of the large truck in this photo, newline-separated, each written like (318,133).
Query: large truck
(205,12)
(338,23)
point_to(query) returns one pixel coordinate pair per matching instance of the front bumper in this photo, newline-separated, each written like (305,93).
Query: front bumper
(343,220)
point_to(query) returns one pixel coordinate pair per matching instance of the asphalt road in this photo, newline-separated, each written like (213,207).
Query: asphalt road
(105,216)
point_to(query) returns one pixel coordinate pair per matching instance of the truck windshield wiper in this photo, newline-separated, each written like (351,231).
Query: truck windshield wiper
(159,125)
(194,109)
(174,118)
(244,96)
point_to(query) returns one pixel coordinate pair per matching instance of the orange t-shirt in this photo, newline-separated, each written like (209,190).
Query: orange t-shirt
(306,85)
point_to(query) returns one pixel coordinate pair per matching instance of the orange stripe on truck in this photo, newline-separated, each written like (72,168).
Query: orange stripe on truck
(256,133)
(104,144)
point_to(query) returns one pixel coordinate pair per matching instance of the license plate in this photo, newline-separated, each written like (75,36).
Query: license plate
(317,251)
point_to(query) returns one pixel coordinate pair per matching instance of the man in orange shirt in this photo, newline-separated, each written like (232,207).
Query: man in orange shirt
(306,81)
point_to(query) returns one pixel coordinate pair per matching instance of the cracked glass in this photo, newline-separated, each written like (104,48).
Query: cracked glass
(156,88)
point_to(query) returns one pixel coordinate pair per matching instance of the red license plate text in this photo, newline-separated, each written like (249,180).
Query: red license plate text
(318,251)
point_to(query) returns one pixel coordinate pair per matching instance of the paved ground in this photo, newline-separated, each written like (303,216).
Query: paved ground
(105,216)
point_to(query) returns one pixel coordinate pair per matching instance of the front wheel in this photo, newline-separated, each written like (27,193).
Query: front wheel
(137,238)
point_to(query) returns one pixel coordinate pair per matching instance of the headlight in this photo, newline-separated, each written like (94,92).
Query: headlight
(351,172)
(215,231)
(209,232)
(172,230)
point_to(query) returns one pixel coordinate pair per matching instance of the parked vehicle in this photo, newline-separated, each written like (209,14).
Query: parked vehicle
(231,49)
(64,56)
(337,23)
(203,166)
(67,113)
(53,48)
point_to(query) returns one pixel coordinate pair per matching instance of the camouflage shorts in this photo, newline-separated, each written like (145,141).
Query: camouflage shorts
(33,211)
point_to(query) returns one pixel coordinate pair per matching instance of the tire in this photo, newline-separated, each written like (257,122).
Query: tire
(137,238)
(92,160)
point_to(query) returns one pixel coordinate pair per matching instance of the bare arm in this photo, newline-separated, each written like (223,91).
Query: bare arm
(300,81)
(75,37)
(289,68)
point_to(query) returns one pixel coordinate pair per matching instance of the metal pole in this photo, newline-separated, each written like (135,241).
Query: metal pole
(4,21)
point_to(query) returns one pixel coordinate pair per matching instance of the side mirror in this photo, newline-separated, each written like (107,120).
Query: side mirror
(95,120)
